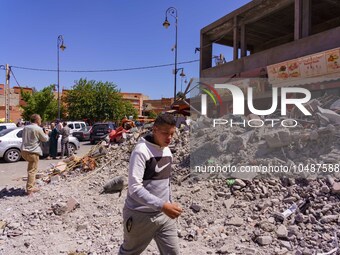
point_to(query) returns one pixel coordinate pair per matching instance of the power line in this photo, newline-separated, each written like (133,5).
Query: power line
(14,77)
(101,71)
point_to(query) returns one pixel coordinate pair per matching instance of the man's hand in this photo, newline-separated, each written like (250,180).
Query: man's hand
(172,210)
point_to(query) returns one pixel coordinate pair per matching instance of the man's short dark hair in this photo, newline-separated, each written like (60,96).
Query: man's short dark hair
(165,118)
(34,118)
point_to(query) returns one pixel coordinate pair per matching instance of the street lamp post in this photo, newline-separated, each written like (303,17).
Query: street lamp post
(60,45)
(173,12)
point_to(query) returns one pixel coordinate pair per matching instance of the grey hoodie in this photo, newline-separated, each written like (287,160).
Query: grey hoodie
(149,176)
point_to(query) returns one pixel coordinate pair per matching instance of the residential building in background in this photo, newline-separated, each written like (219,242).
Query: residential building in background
(14,103)
(141,102)
(157,106)
(136,99)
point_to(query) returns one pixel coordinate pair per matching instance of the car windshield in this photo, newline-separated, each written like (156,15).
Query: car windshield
(101,126)
(6,131)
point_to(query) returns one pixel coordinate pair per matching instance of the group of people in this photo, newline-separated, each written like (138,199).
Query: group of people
(56,130)
(149,211)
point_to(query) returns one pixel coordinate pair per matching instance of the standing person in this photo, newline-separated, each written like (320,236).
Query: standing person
(149,212)
(53,144)
(32,135)
(65,133)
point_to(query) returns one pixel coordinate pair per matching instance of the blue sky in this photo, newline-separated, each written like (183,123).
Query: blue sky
(105,34)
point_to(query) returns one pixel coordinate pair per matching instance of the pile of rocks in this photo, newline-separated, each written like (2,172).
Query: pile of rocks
(223,213)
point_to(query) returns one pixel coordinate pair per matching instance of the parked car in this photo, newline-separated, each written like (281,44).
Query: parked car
(11,140)
(7,126)
(75,125)
(83,134)
(101,130)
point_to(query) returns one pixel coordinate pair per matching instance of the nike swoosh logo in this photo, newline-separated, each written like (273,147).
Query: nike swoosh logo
(158,169)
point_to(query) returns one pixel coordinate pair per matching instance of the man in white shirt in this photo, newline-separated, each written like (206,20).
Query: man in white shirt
(32,135)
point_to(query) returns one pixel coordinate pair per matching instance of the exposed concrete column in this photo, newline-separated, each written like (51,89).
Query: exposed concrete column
(235,39)
(306,18)
(297,19)
(243,41)
(302,22)
(205,53)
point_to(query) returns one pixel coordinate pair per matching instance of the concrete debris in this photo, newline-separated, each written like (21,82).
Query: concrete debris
(264,240)
(333,117)
(226,213)
(278,138)
(336,188)
(335,106)
(62,208)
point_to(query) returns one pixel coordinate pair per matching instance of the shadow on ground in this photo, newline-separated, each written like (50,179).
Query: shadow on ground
(12,192)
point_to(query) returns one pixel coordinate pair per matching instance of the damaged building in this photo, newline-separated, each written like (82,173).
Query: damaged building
(280,42)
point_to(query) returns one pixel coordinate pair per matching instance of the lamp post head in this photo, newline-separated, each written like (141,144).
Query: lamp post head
(166,23)
(62,46)
(60,43)
(182,74)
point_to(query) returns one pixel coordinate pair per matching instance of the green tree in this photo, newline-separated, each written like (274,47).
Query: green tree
(41,102)
(152,115)
(98,101)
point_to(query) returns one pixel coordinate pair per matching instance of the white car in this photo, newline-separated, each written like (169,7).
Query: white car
(75,125)
(7,126)
(11,140)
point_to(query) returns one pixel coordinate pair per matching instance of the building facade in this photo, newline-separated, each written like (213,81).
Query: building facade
(15,103)
(136,99)
(158,105)
(279,39)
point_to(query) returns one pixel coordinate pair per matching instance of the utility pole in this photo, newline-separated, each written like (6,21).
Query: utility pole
(7,94)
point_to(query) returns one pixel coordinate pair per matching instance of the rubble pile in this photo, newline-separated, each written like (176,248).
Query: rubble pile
(79,211)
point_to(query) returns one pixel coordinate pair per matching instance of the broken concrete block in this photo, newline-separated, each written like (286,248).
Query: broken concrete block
(282,232)
(278,138)
(55,179)
(195,207)
(239,182)
(72,204)
(335,106)
(267,226)
(82,226)
(58,209)
(236,221)
(228,203)
(286,244)
(333,117)
(264,240)
(329,218)
(336,188)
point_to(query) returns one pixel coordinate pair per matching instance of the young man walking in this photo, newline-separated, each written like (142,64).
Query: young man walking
(32,136)
(149,212)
